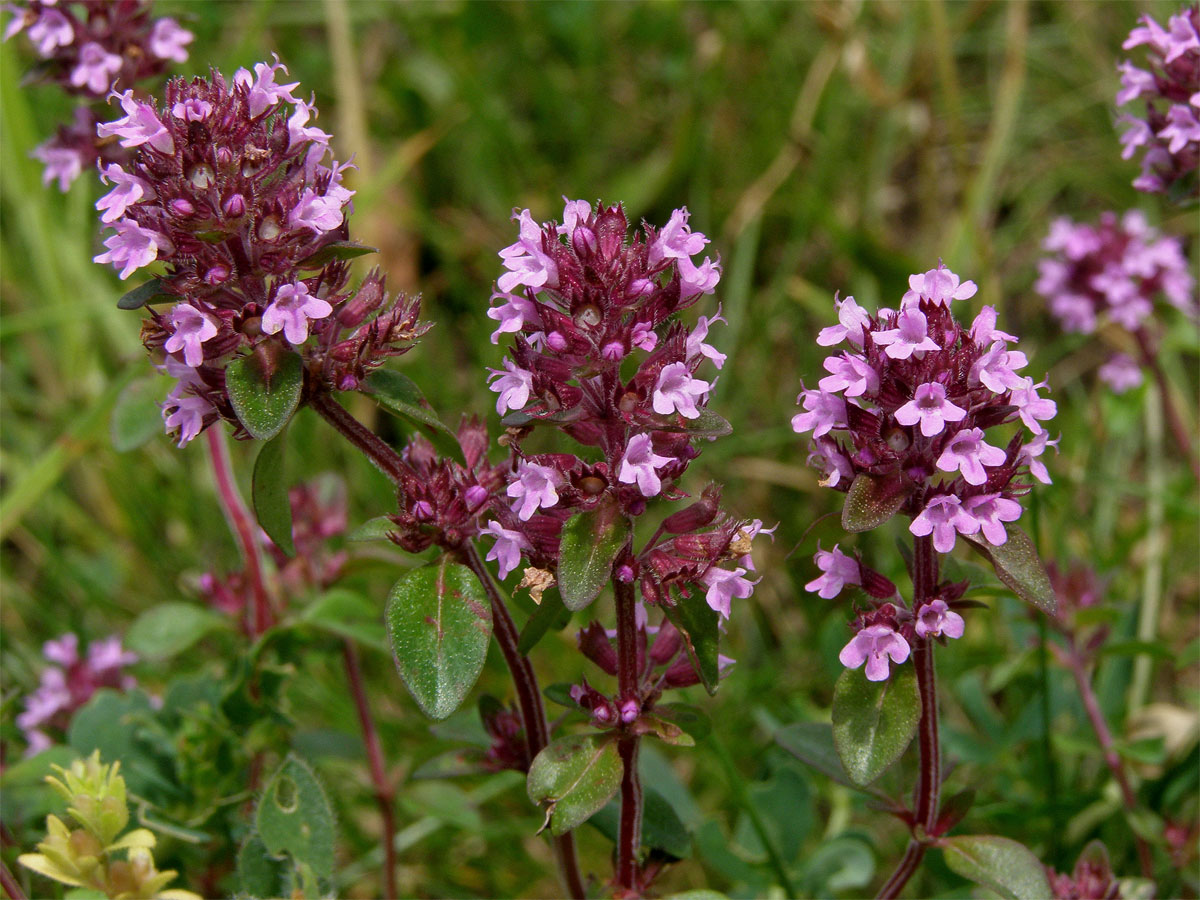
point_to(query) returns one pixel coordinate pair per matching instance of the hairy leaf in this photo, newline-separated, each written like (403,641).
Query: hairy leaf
(265,400)
(698,624)
(874,721)
(872,501)
(588,547)
(294,817)
(1018,565)
(573,777)
(999,864)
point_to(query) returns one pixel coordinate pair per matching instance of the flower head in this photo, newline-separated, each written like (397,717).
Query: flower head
(875,645)
(936,619)
(838,571)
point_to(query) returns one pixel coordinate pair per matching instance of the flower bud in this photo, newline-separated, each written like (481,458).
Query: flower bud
(235,206)
(595,645)
(583,241)
(182,207)
(556,342)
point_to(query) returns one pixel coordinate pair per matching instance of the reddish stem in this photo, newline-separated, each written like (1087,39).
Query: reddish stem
(383,457)
(243,527)
(9,882)
(384,792)
(1170,413)
(529,703)
(629,834)
(929,781)
(1112,759)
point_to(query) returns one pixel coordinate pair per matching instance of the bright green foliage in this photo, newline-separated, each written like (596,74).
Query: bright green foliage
(698,623)
(265,393)
(440,622)
(588,547)
(999,864)
(269,492)
(399,395)
(573,777)
(294,817)
(874,721)
(167,630)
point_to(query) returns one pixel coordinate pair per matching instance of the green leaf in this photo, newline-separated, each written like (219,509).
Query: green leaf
(294,817)
(707,425)
(587,549)
(137,415)
(662,829)
(697,623)
(341,250)
(1018,565)
(265,400)
(399,394)
(667,732)
(347,614)
(146,293)
(574,777)
(812,744)
(999,864)
(168,629)
(440,623)
(544,618)
(259,874)
(874,721)
(872,501)
(269,492)
(376,529)
(691,719)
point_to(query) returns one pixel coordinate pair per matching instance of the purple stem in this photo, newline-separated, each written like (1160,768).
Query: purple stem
(384,792)
(9,882)
(929,781)
(1170,413)
(1112,759)
(243,527)
(629,835)
(529,696)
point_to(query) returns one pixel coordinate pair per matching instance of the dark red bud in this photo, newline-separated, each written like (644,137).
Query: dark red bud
(595,645)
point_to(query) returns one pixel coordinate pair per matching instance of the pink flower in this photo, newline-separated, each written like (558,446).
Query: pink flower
(723,585)
(822,412)
(936,619)
(513,387)
(1121,373)
(96,68)
(511,314)
(1031,407)
(676,240)
(643,336)
(128,190)
(939,285)
(169,41)
(291,311)
(639,463)
(321,214)
(967,453)
(192,110)
(930,407)
(991,511)
(184,413)
(507,548)
(1031,452)
(839,570)
(874,645)
(300,132)
(826,456)
(695,280)
(51,31)
(191,328)
(533,489)
(995,369)
(63,163)
(140,125)
(942,516)
(984,331)
(909,337)
(852,319)
(677,390)
(526,262)
(851,374)
(132,247)
(695,340)
(263,90)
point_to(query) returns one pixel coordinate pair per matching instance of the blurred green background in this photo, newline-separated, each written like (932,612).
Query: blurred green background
(821,146)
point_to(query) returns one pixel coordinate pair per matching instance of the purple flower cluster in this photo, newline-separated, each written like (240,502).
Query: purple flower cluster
(1112,270)
(910,404)
(69,683)
(89,47)
(1169,135)
(600,354)
(235,191)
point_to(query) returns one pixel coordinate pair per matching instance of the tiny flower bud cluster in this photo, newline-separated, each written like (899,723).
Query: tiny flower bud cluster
(88,47)
(1169,136)
(235,191)
(908,405)
(69,683)
(599,354)
(1114,270)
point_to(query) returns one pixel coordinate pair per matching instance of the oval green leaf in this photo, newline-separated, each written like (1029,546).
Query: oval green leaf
(573,778)
(812,744)
(439,623)
(341,250)
(698,624)
(264,403)
(170,628)
(137,414)
(146,293)
(399,394)
(376,529)
(872,501)
(874,721)
(587,549)
(294,817)
(269,493)
(1018,565)
(999,864)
